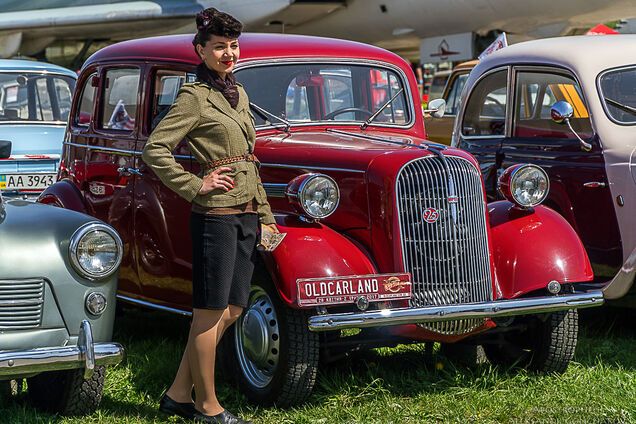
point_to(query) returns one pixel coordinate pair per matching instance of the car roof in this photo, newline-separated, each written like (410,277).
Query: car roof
(254,46)
(587,55)
(29,65)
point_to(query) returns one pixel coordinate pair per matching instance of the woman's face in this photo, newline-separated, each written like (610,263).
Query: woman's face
(220,54)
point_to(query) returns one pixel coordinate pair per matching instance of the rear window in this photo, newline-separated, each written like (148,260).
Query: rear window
(618,91)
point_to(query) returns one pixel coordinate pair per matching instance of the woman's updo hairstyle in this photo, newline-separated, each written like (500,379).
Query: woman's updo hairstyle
(212,22)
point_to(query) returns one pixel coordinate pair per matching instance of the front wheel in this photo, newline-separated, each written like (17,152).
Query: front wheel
(547,345)
(273,350)
(67,392)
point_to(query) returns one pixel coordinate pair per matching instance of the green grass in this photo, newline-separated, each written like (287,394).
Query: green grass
(399,385)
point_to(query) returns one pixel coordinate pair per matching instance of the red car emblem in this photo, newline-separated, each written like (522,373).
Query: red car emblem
(430,215)
(453,199)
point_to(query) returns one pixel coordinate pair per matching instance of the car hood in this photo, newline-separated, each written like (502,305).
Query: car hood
(346,149)
(40,139)
(35,236)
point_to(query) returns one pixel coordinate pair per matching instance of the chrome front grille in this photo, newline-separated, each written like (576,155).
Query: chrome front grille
(21,303)
(448,256)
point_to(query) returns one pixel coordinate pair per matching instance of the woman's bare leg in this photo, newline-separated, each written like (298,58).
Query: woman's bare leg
(181,388)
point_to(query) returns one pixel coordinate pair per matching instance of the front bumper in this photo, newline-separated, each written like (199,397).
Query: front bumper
(85,355)
(498,308)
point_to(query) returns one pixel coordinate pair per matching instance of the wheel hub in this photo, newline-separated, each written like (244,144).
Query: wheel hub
(257,339)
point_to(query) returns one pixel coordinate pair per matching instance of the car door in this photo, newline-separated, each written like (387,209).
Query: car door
(579,189)
(109,178)
(440,130)
(161,220)
(484,123)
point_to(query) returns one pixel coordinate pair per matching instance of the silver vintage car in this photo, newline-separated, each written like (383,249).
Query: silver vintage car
(57,303)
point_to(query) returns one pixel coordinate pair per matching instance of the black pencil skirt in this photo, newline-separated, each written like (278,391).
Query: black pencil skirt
(223,257)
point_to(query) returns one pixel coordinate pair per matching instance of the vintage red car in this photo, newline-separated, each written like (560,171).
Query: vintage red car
(386,232)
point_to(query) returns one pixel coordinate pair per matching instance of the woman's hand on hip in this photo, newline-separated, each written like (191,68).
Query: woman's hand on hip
(216,179)
(272,228)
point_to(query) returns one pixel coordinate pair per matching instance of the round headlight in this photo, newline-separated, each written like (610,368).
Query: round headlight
(316,195)
(95,250)
(524,184)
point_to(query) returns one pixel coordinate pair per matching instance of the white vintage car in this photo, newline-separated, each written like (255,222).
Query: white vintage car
(569,105)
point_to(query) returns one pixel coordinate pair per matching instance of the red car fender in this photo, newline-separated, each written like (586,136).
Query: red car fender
(312,250)
(63,194)
(533,247)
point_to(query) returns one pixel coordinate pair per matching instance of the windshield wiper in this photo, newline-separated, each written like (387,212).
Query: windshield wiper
(366,123)
(621,106)
(265,114)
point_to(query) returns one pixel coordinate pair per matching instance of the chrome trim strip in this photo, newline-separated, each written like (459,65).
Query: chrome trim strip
(338,61)
(153,306)
(492,309)
(24,362)
(275,189)
(115,150)
(32,302)
(302,167)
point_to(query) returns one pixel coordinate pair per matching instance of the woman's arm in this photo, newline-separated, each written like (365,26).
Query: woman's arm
(183,116)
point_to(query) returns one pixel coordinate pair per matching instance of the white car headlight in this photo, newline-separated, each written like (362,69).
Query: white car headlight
(95,250)
(524,184)
(316,195)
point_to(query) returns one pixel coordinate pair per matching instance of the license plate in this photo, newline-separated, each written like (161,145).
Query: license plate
(347,289)
(26,181)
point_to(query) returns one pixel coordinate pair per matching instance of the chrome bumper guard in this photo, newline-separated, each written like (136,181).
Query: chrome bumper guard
(85,355)
(499,308)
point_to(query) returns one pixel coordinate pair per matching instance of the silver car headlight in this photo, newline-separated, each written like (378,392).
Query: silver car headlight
(316,195)
(96,251)
(524,184)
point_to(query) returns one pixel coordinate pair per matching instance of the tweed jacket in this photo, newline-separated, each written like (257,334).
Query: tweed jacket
(214,131)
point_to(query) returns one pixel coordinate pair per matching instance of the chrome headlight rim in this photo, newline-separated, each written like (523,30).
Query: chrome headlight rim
(77,237)
(507,179)
(296,190)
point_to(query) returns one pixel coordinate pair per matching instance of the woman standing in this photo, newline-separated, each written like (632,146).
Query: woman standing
(228,202)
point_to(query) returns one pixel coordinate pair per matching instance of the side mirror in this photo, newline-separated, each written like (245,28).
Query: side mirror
(5,149)
(561,112)
(436,108)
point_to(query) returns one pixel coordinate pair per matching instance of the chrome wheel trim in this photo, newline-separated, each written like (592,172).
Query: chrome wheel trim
(257,339)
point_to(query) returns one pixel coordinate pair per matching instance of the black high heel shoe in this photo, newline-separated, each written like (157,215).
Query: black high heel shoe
(171,407)
(225,417)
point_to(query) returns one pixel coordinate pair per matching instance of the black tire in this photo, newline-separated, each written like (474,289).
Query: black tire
(547,346)
(67,392)
(278,366)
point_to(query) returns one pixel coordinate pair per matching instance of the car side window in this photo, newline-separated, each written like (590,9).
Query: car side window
(119,100)
(452,102)
(535,94)
(485,113)
(165,88)
(84,113)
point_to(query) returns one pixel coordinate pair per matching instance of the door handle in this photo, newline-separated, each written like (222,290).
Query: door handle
(126,172)
(594,184)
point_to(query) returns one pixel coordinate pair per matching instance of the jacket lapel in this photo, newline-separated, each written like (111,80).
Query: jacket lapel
(219,102)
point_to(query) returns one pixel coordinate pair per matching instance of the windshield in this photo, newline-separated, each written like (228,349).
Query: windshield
(35,97)
(618,89)
(326,93)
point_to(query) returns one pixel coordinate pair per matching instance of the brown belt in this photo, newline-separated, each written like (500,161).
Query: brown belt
(248,157)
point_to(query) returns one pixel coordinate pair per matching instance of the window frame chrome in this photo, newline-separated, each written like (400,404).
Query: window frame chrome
(335,61)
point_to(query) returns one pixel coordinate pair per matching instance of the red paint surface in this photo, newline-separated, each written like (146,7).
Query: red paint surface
(532,248)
